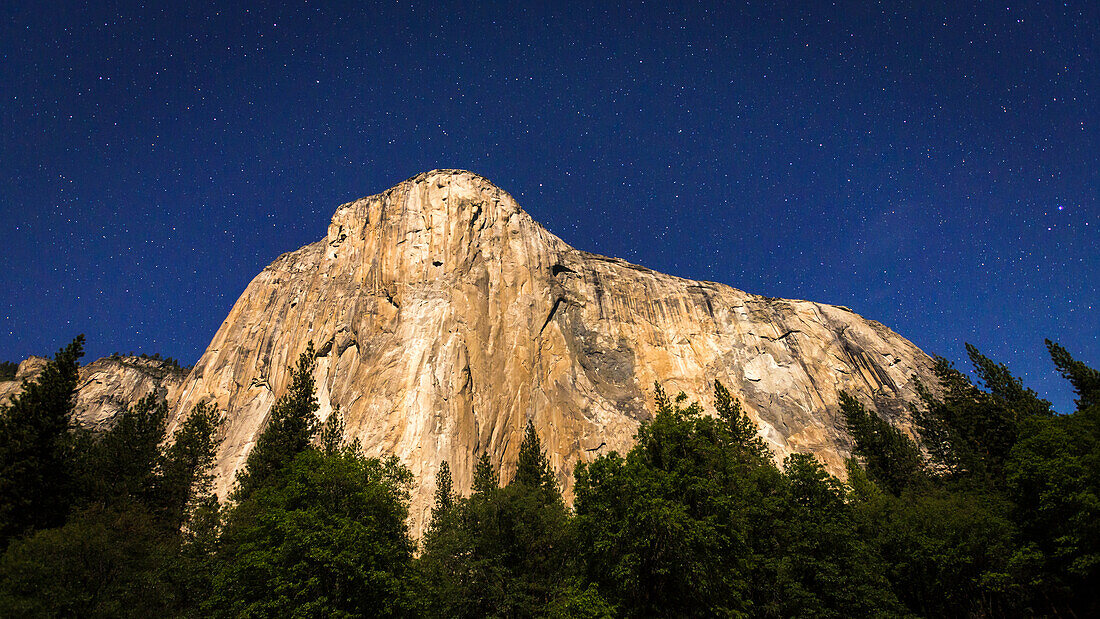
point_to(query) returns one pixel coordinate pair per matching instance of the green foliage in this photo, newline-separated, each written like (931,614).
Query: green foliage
(36,450)
(120,464)
(1053,480)
(1012,526)
(891,458)
(290,429)
(945,553)
(1006,388)
(1085,380)
(196,562)
(969,432)
(697,521)
(822,566)
(740,430)
(486,478)
(533,467)
(101,563)
(670,529)
(121,553)
(184,480)
(331,436)
(444,491)
(505,552)
(1002,518)
(326,538)
(133,464)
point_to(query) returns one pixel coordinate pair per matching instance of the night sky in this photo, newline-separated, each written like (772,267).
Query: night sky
(933,166)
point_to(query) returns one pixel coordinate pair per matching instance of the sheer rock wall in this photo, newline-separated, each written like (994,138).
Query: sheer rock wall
(445,318)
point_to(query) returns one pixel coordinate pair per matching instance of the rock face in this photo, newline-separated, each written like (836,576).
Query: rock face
(445,318)
(106,386)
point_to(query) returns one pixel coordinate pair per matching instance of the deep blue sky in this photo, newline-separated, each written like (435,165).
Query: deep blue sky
(933,166)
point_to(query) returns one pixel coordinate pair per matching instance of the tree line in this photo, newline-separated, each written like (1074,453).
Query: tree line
(989,509)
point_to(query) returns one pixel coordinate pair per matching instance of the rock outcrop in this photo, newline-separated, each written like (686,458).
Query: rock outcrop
(106,386)
(445,318)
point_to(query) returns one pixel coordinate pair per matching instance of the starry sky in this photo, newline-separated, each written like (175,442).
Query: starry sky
(932,165)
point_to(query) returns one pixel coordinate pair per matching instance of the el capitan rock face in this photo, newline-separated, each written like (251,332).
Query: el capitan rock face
(445,318)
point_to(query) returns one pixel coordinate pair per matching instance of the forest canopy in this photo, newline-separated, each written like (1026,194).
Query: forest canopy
(990,507)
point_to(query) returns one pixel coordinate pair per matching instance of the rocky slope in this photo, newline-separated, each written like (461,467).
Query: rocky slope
(106,386)
(445,318)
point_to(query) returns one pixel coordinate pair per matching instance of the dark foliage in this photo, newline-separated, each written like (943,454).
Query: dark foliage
(8,370)
(291,426)
(486,477)
(504,552)
(891,458)
(325,537)
(1006,523)
(118,550)
(103,562)
(36,448)
(698,521)
(996,512)
(444,492)
(183,482)
(532,466)
(1085,380)
(120,465)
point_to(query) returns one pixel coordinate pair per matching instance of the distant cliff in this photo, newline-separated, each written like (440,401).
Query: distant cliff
(107,385)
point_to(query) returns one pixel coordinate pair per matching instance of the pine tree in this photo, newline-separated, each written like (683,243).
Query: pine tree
(533,468)
(444,491)
(184,481)
(969,432)
(502,552)
(331,436)
(1002,385)
(36,450)
(1085,380)
(486,478)
(891,458)
(325,537)
(290,429)
(120,464)
(741,430)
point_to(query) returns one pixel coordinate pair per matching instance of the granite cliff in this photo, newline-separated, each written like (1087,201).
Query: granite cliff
(106,386)
(445,318)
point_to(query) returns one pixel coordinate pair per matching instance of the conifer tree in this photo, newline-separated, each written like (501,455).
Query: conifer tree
(486,478)
(533,468)
(892,459)
(969,432)
(36,450)
(331,435)
(120,464)
(1085,380)
(184,483)
(502,552)
(290,429)
(1002,385)
(741,430)
(444,491)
